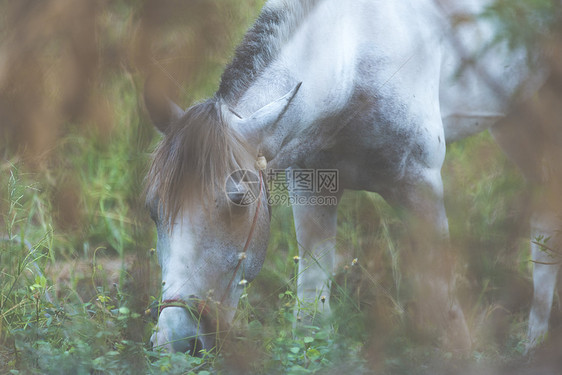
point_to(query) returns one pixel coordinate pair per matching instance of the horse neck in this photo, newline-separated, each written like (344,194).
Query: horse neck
(294,62)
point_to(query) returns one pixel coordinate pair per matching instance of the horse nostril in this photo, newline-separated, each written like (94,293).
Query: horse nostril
(194,347)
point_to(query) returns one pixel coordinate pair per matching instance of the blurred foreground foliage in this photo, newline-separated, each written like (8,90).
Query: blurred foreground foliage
(71,104)
(74,146)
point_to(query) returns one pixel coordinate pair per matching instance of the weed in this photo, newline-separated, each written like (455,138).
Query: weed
(86,205)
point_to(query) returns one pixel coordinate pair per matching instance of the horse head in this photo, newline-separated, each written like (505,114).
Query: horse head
(207,195)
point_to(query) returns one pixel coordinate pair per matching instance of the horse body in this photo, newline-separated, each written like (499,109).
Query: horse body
(384,86)
(360,78)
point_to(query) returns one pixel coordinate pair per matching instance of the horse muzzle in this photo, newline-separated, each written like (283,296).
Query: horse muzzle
(188,326)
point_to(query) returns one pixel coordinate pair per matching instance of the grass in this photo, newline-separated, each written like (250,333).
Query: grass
(66,309)
(84,325)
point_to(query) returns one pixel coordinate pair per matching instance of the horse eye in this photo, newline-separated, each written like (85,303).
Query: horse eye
(152,211)
(238,193)
(237,198)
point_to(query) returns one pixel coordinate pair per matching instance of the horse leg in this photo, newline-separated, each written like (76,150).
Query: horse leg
(545,255)
(315,225)
(532,138)
(438,311)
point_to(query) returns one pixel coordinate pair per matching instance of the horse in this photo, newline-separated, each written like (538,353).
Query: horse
(371,89)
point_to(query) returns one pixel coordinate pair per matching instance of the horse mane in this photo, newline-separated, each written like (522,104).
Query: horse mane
(194,158)
(274,27)
(201,149)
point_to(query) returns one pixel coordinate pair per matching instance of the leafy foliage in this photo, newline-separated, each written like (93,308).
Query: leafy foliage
(524,23)
(85,202)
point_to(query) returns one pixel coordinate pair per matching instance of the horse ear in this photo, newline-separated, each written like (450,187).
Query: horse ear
(254,127)
(161,109)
